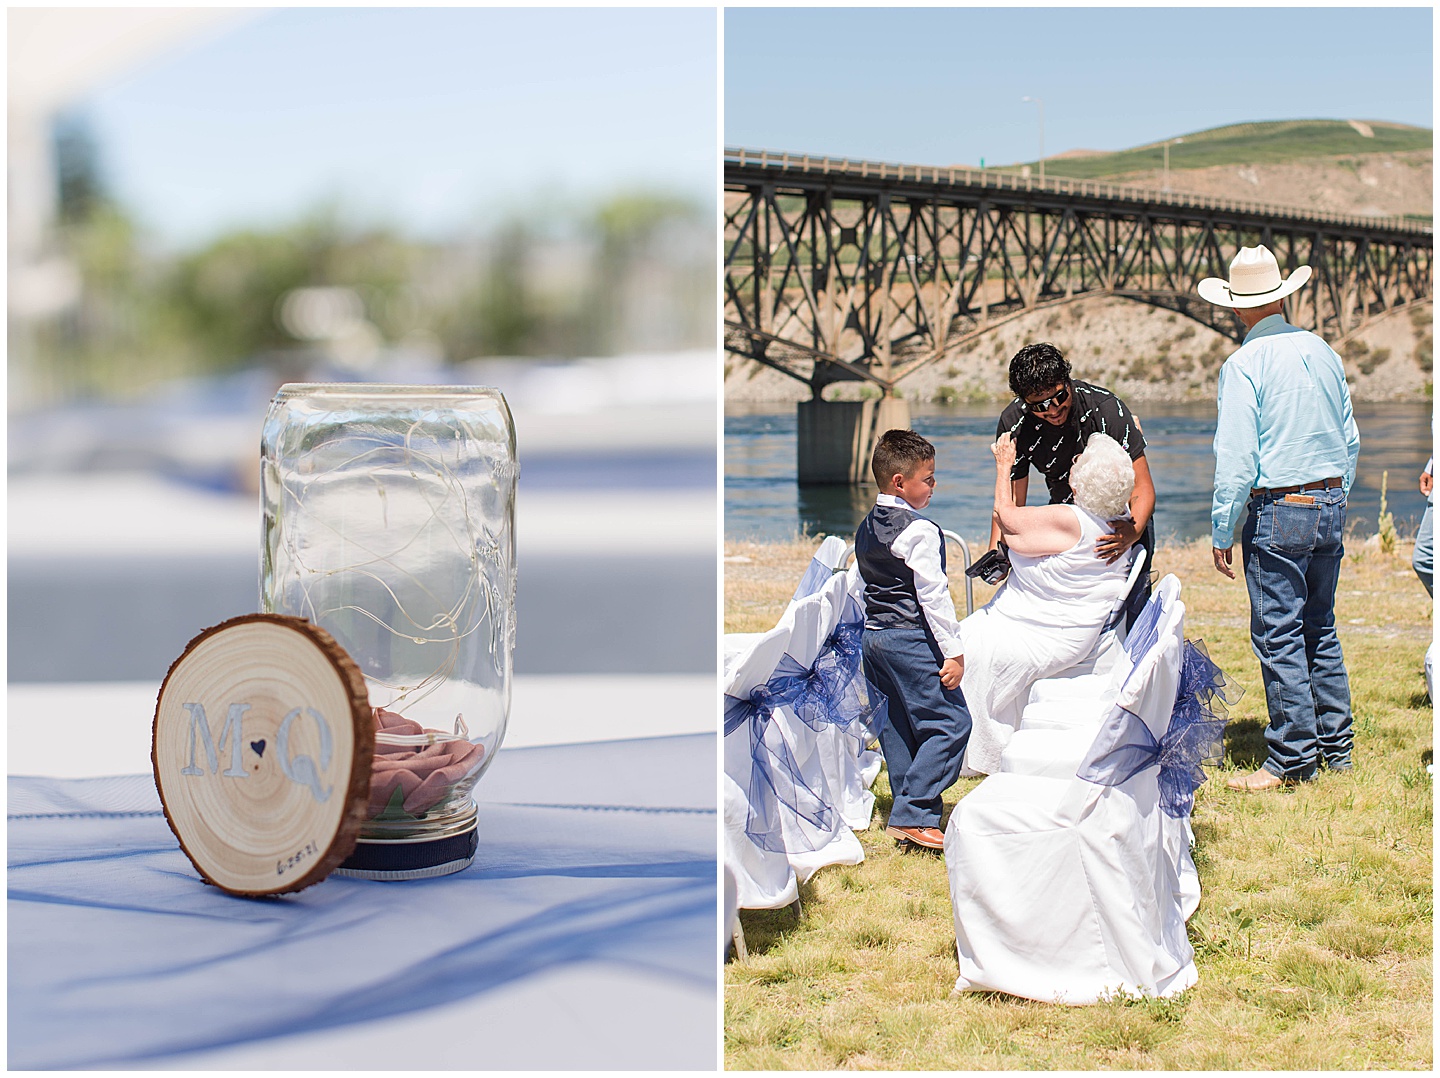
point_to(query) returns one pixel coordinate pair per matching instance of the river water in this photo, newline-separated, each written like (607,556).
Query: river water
(763,501)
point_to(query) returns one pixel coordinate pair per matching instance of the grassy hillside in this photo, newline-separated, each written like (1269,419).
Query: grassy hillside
(1277,142)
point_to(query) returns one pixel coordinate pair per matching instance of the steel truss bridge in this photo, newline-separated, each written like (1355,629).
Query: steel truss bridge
(841,270)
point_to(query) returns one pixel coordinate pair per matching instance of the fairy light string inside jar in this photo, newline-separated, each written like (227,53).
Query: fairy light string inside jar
(390,522)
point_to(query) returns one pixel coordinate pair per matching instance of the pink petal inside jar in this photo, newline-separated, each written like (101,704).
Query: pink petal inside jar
(424,774)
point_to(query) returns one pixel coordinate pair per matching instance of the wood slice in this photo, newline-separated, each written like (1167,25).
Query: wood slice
(262,747)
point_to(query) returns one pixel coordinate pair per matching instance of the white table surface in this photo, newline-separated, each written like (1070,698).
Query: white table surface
(588,1015)
(116,514)
(107,724)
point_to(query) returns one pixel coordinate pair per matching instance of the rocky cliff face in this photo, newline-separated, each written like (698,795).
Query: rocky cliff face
(1141,352)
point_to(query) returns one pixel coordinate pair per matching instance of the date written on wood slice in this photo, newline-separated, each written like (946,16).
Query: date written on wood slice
(262,748)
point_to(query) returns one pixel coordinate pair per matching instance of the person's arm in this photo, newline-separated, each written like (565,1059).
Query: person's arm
(1352,441)
(1237,459)
(1020,484)
(1019,489)
(1031,530)
(918,546)
(1142,498)
(1126,533)
(1427,479)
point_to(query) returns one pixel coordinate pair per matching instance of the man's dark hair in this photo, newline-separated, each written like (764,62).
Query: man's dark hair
(899,452)
(1036,367)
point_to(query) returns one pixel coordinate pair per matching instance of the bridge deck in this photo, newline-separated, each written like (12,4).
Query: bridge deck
(838,269)
(742,165)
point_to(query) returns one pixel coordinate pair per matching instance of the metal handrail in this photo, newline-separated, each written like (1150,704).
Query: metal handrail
(994,178)
(965,556)
(969,582)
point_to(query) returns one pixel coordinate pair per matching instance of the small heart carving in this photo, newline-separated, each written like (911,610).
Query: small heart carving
(259,747)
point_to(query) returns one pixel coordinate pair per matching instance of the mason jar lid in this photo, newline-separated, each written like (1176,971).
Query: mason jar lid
(308,402)
(292,390)
(448,849)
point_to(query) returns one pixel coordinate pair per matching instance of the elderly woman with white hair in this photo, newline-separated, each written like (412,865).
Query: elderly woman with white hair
(1051,609)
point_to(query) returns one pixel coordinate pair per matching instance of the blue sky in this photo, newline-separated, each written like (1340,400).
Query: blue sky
(429,119)
(944,85)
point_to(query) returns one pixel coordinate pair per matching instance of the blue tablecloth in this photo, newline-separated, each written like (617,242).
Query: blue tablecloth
(119,955)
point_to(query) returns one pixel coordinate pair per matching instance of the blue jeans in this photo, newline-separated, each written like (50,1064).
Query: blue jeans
(1292,553)
(928,727)
(1424,559)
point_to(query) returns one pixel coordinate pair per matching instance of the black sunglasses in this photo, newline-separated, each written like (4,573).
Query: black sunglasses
(1050,402)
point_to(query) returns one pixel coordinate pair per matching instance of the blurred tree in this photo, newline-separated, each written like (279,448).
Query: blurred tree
(493,313)
(505,315)
(630,229)
(225,296)
(77,167)
(102,342)
(634,273)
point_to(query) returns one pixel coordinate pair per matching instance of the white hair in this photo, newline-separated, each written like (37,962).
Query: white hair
(1103,477)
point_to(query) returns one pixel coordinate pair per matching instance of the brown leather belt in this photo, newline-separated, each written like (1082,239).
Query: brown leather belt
(1319,484)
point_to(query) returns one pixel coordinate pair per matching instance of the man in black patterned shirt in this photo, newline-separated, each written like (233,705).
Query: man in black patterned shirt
(1051,419)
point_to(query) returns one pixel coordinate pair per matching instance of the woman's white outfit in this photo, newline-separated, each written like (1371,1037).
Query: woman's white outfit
(1046,617)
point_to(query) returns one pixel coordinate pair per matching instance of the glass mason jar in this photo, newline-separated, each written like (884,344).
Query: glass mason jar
(389,521)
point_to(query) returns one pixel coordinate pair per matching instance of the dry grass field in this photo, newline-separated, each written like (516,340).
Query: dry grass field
(1313,936)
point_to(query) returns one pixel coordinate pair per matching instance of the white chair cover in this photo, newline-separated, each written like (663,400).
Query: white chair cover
(826,756)
(1051,746)
(763,878)
(731,900)
(850,766)
(818,770)
(735,647)
(1064,890)
(823,564)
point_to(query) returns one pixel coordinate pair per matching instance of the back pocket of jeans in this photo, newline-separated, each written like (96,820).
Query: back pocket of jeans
(1294,528)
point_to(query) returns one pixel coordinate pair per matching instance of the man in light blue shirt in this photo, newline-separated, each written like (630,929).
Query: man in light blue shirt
(1423,560)
(1286,444)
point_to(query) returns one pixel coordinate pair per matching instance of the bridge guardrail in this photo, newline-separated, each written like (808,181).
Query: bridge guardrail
(1000,181)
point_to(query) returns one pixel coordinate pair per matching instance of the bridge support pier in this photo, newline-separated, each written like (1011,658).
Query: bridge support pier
(835,439)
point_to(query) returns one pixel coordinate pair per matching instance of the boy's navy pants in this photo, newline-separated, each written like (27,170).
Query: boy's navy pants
(928,727)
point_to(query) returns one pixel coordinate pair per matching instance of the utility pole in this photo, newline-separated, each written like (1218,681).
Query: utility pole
(1166,185)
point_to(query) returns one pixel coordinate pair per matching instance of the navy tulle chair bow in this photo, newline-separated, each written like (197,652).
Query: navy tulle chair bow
(1125,746)
(828,694)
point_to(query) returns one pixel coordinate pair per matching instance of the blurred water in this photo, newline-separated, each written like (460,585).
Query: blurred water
(204,432)
(136,523)
(762,499)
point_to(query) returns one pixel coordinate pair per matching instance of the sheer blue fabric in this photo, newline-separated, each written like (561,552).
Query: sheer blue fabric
(833,692)
(777,781)
(869,711)
(1145,632)
(816,574)
(1125,747)
(120,956)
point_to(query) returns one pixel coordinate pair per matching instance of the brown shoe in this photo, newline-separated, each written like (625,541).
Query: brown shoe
(1258,780)
(931,838)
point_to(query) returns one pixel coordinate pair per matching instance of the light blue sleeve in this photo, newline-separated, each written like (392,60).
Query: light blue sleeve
(1237,451)
(1352,439)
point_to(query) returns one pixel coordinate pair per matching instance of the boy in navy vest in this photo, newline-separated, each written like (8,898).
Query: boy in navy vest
(912,638)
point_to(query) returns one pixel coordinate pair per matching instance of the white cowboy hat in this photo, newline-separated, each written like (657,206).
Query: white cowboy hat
(1254,281)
